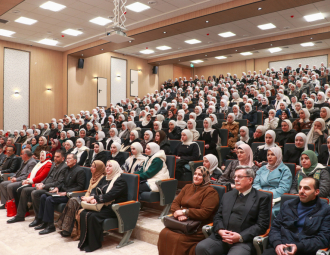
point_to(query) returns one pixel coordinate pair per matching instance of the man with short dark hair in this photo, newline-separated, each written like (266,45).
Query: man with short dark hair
(11,162)
(74,180)
(242,215)
(303,224)
(26,167)
(55,176)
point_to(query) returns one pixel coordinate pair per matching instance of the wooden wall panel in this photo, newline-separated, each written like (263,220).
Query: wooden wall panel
(233,68)
(177,71)
(165,73)
(249,63)
(45,72)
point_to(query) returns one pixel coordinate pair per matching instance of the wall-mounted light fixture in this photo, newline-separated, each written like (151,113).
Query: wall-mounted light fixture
(16,93)
(49,89)
(118,75)
(140,70)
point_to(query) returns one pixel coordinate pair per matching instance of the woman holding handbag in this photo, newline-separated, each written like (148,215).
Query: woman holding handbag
(198,202)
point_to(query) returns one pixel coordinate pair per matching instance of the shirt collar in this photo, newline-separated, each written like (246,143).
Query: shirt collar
(246,192)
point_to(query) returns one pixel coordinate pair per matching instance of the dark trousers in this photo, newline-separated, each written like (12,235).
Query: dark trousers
(16,194)
(36,196)
(47,204)
(24,199)
(271,251)
(214,246)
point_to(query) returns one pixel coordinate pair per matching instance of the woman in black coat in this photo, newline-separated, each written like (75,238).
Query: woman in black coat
(53,131)
(251,116)
(114,191)
(324,157)
(174,132)
(147,122)
(133,138)
(293,155)
(211,138)
(98,153)
(265,107)
(116,154)
(287,135)
(164,144)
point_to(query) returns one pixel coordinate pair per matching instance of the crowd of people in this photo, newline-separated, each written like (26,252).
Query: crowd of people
(295,108)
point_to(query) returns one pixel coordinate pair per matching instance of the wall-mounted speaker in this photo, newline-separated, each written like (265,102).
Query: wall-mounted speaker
(81,63)
(155,70)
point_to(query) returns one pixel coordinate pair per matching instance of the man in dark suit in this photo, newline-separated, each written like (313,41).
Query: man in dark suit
(300,68)
(26,167)
(242,215)
(55,173)
(74,180)
(11,162)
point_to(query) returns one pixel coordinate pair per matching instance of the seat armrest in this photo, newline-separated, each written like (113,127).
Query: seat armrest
(167,190)
(207,230)
(79,193)
(260,243)
(127,214)
(325,251)
(6,177)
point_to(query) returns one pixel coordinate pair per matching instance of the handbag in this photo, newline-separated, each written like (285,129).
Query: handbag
(91,207)
(187,227)
(11,208)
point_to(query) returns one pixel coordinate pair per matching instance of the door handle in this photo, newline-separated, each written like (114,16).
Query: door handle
(100,90)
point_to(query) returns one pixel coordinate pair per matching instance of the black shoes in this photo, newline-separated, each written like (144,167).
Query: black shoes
(15,219)
(35,223)
(49,229)
(65,233)
(3,207)
(42,226)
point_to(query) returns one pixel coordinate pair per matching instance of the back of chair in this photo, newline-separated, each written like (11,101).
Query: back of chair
(199,123)
(92,140)
(220,116)
(144,130)
(132,181)
(324,147)
(270,205)
(254,146)
(88,176)
(20,161)
(220,189)
(292,167)
(138,123)
(67,129)
(228,162)
(174,144)
(200,130)
(260,120)
(224,135)
(126,154)
(291,146)
(201,145)
(305,131)
(18,147)
(286,196)
(171,163)
(242,122)
(106,131)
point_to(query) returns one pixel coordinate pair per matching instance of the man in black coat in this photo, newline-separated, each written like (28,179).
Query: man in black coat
(11,163)
(303,224)
(243,214)
(74,180)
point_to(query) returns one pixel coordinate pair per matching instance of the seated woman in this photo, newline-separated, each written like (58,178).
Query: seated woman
(153,169)
(114,192)
(210,162)
(164,144)
(97,153)
(120,120)
(180,120)
(297,108)
(233,127)
(97,127)
(325,115)
(34,145)
(89,129)
(224,107)
(318,134)
(258,136)
(147,138)
(244,158)
(124,132)
(199,113)
(67,218)
(22,137)
(321,100)
(81,151)
(63,137)
(310,107)
(135,161)
(100,137)
(260,155)
(157,127)
(185,152)
(271,122)
(293,155)
(47,130)
(324,157)
(113,138)
(134,137)
(287,135)
(285,115)
(147,122)
(56,145)
(303,122)
(116,154)
(311,168)
(41,147)
(244,134)
(70,135)
(174,132)
(283,107)
(251,116)
(191,125)
(237,112)
(211,137)
(170,116)
(68,146)
(202,208)
(275,177)
(265,107)
(82,134)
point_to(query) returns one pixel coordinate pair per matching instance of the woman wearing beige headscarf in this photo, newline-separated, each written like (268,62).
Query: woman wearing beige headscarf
(67,218)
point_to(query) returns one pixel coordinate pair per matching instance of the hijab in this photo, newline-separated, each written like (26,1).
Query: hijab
(307,114)
(215,119)
(138,147)
(304,137)
(154,148)
(136,135)
(150,136)
(250,107)
(192,114)
(213,162)
(328,113)
(249,155)
(181,123)
(189,137)
(118,146)
(206,175)
(246,137)
(97,175)
(101,135)
(70,142)
(278,154)
(144,120)
(323,98)
(114,175)
(313,136)
(268,146)
(159,125)
(209,129)
(313,158)
(123,131)
(289,123)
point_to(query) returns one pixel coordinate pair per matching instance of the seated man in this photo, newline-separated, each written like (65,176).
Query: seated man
(11,162)
(303,224)
(22,173)
(74,180)
(242,215)
(55,174)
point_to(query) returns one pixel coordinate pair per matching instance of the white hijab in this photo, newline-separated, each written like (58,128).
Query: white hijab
(268,146)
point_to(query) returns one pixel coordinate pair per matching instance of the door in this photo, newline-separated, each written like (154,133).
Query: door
(102,92)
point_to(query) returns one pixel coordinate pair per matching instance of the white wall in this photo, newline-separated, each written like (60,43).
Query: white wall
(16,79)
(118,84)
(294,63)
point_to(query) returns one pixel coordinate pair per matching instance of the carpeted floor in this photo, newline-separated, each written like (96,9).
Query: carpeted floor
(19,239)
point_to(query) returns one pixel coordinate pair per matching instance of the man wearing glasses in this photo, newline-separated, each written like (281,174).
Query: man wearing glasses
(242,215)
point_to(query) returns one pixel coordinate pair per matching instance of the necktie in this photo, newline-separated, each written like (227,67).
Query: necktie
(241,195)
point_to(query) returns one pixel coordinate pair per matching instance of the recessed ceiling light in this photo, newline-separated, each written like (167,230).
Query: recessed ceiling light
(259,9)
(308,44)
(163,47)
(164,32)
(26,21)
(193,41)
(146,51)
(313,17)
(246,53)
(227,34)
(221,57)
(52,6)
(197,61)
(7,33)
(48,42)
(72,32)
(276,49)
(137,7)
(266,26)
(100,21)
(207,21)
(101,49)
(129,41)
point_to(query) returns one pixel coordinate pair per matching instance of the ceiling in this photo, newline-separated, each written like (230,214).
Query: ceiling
(77,14)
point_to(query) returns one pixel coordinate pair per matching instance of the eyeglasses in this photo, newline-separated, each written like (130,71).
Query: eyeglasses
(240,177)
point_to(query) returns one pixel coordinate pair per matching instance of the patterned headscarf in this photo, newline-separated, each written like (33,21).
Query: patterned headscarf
(206,175)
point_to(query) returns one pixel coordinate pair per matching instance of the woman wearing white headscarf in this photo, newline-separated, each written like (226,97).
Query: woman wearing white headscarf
(325,115)
(233,127)
(260,155)
(287,135)
(81,151)
(135,161)
(180,121)
(134,137)
(271,122)
(124,132)
(98,153)
(303,122)
(113,138)
(174,132)
(320,100)
(236,99)
(191,125)
(199,113)
(293,155)
(211,163)
(237,112)
(318,134)
(211,137)
(147,121)
(251,116)
(30,135)
(116,154)
(157,126)
(310,106)
(275,177)
(16,136)
(147,138)
(244,134)
(279,99)
(153,169)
